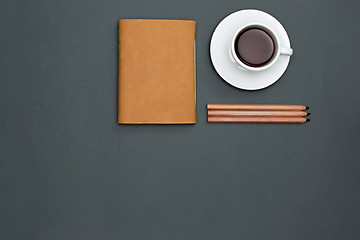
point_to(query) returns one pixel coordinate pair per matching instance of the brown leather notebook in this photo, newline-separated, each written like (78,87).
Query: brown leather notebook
(156,71)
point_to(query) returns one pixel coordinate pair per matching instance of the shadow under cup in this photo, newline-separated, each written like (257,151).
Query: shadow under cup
(255,46)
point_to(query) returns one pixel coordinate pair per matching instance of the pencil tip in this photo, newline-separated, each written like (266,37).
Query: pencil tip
(308,114)
(307,120)
(306,107)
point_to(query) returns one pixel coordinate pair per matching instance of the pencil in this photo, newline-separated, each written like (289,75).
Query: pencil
(257,107)
(237,113)
(257,119)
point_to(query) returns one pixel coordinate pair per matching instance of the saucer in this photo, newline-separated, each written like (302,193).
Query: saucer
(219,51)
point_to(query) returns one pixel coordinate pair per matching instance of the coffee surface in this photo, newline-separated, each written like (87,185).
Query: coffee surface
(254,47)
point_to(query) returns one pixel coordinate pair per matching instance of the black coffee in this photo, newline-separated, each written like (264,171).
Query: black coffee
(254,47)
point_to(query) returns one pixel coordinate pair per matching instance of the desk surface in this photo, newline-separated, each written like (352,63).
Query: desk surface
(68,171)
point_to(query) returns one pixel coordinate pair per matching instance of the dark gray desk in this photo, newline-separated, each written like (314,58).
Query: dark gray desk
(68,171)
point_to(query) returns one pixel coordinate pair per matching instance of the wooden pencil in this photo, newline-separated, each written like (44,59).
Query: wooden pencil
(257,119)
(237,113)
(257,107)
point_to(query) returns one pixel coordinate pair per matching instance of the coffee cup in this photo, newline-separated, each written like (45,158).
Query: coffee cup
(255,47)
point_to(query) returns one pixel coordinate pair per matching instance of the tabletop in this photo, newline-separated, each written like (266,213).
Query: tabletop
(69,171)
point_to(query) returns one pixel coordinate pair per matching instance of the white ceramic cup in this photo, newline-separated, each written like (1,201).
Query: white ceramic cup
(279,50)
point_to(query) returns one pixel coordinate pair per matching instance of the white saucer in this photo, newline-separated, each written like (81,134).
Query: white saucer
(219,51)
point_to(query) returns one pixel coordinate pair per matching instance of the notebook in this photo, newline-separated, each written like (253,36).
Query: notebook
(156,72)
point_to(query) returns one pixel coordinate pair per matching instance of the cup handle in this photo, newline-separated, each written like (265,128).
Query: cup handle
(286,51)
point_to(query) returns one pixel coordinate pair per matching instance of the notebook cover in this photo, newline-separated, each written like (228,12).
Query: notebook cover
(156,72)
